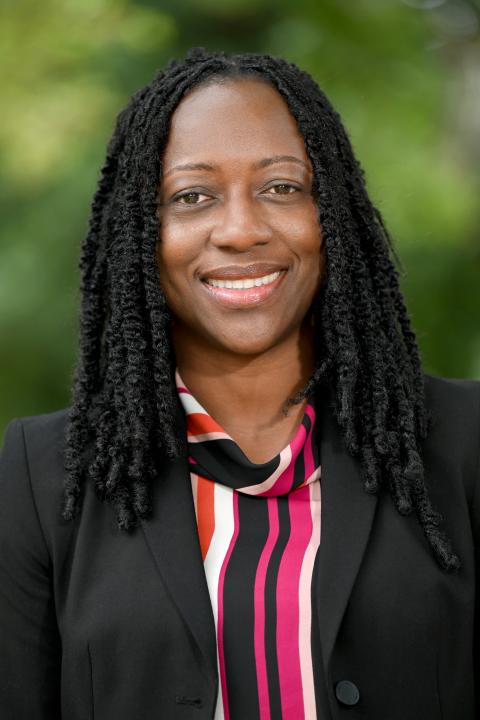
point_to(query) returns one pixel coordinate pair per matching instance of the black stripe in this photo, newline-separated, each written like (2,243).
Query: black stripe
(271,607)
(238,597)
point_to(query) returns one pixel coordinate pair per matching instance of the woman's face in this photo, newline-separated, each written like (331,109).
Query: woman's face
(240,241)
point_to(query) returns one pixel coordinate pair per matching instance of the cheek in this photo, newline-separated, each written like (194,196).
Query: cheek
(174,255)
(164,264)
(312,256)
(308,245)
(303,231)
(173,279)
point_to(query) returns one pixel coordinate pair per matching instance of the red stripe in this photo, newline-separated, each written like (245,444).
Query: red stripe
(205,513)
(200,424)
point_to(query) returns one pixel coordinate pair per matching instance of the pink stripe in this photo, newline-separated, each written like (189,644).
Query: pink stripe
(221,580)
(285,481)
(305,624)
(259,605)
(301,442)
(288,653)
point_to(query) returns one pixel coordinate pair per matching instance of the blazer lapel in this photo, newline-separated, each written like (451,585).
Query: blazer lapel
(347,517)
(171,534)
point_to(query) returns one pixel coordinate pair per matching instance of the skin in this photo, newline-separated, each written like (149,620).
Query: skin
(242,364)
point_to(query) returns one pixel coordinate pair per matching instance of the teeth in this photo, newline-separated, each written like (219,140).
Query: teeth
(243,284)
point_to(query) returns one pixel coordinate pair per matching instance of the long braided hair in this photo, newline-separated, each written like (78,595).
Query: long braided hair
(123,416)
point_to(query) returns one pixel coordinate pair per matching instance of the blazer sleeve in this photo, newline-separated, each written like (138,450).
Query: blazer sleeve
(476,539)
(30,648)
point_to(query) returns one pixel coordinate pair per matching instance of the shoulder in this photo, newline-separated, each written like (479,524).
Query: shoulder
(32,474)
(454,409)
(453,442)
(43,429)
(454,395)
(34,446)
(38,435)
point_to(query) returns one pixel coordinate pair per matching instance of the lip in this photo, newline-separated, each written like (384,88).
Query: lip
(247,297)
(242,272)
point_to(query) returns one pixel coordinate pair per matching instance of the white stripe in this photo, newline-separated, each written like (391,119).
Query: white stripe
(314,476)
(190,404)
(222,535)
(208,436)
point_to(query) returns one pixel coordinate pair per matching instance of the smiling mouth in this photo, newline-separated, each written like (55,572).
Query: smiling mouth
(243,284)
(244,292)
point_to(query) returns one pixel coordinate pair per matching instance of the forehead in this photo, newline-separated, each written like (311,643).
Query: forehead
(232,118)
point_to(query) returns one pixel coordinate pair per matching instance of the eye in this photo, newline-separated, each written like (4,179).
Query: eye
(283,189)
(189,197)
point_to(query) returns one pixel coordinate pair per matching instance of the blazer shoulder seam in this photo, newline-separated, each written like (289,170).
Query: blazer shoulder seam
(477,464)
(30,484)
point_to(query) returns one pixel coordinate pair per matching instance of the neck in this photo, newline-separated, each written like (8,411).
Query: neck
(247,394)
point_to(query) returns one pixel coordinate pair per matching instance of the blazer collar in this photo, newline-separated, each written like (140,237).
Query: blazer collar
(347,516)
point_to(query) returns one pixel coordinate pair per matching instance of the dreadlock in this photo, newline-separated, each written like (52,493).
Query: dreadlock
(123,415)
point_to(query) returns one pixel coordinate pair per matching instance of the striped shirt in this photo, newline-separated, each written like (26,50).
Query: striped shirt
(259,532)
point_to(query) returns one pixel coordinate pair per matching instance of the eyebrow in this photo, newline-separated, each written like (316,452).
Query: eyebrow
(257,166)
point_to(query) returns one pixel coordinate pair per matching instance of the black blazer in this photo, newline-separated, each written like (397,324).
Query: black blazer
(100,624)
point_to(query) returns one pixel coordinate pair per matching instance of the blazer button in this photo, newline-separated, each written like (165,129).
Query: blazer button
(347,692)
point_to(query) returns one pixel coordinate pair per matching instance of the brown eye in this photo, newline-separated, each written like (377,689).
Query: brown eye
(283,189)
(189,198)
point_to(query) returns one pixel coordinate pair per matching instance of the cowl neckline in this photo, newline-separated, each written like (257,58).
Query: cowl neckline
(213,454)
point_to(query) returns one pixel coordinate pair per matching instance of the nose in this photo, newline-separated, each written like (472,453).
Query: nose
(240,225)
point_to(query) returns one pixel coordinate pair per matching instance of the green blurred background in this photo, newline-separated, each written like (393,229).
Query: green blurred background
(404,75)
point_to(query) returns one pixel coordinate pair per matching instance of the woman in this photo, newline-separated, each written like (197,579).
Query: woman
(240,516)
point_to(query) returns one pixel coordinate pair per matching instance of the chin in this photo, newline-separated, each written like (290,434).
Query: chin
(248,342)
(248,349)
